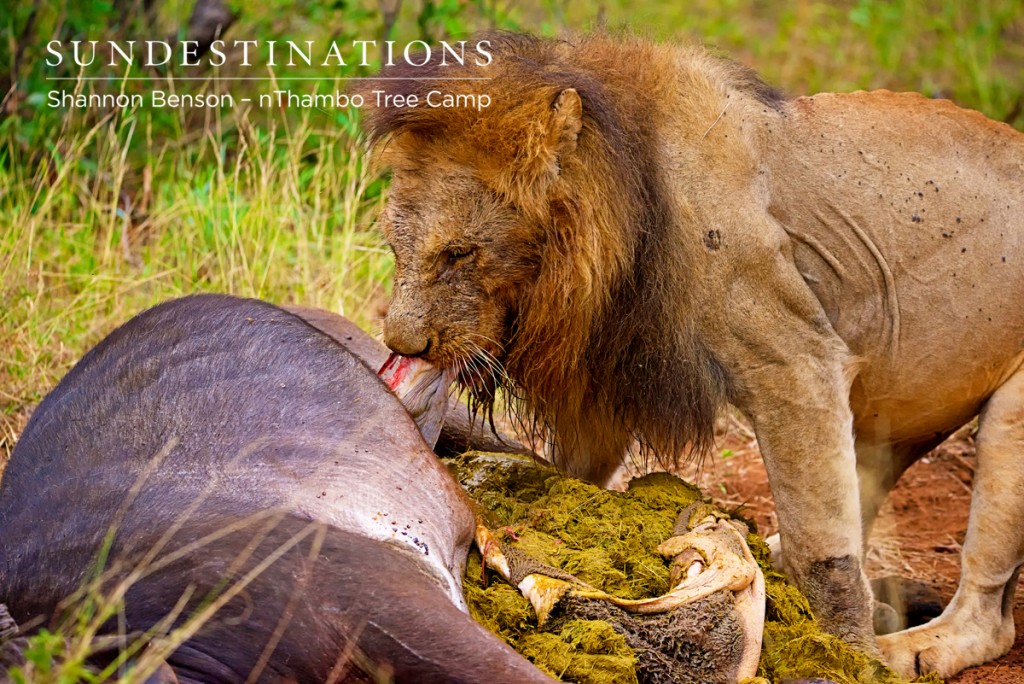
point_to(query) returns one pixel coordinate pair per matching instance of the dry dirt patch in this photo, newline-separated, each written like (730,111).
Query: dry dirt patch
(918,533)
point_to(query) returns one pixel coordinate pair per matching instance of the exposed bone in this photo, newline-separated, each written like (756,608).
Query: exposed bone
(712,557)
(750,605)
(544,593)
(695,569)
(490,549)
(729,567)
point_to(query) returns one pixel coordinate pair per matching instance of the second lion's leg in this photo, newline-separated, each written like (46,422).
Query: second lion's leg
(977,625)
(879,466)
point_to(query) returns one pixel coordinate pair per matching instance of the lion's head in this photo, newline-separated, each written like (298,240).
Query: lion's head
(532,243)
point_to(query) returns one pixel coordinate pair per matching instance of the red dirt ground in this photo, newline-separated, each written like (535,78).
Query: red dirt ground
(918,533)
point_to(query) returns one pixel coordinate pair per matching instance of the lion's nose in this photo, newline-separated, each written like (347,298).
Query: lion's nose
(405,340)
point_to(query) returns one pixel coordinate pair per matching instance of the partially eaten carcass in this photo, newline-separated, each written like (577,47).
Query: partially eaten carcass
(706,628)
(708,625)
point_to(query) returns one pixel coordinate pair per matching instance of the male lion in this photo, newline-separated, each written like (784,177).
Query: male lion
(633,234)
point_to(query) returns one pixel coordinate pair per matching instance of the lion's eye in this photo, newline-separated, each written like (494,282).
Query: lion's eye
(456,253)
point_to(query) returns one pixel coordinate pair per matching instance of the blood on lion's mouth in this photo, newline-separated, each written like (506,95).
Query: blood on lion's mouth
(423,386)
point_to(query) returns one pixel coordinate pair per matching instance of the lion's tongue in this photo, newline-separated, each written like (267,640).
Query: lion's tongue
(422,388)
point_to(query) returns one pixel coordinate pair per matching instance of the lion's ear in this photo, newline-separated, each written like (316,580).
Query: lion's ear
(566,121)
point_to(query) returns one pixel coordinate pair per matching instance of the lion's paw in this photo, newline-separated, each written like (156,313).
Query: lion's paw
(945,648)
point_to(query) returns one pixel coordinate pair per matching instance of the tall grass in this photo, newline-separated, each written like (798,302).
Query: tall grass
(90,235)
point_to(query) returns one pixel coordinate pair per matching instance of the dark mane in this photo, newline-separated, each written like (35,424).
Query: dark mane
(620,339)
(748,81)
(524,61)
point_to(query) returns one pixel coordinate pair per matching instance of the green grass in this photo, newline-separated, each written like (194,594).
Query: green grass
(971,52)
(282,213)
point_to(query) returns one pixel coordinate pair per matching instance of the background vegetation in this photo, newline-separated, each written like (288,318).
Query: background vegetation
(104,213)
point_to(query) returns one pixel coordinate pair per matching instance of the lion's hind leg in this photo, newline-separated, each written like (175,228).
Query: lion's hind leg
(977,625)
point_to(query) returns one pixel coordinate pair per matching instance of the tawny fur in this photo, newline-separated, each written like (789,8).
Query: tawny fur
(597,309)
(633,234)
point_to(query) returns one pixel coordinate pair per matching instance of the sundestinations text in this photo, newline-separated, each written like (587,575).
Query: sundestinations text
(152,53)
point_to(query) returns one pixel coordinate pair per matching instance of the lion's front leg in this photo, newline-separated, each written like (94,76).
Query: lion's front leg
(792,376)
(805,434)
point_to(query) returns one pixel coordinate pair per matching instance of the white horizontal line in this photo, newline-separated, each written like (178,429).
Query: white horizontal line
(264,78)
